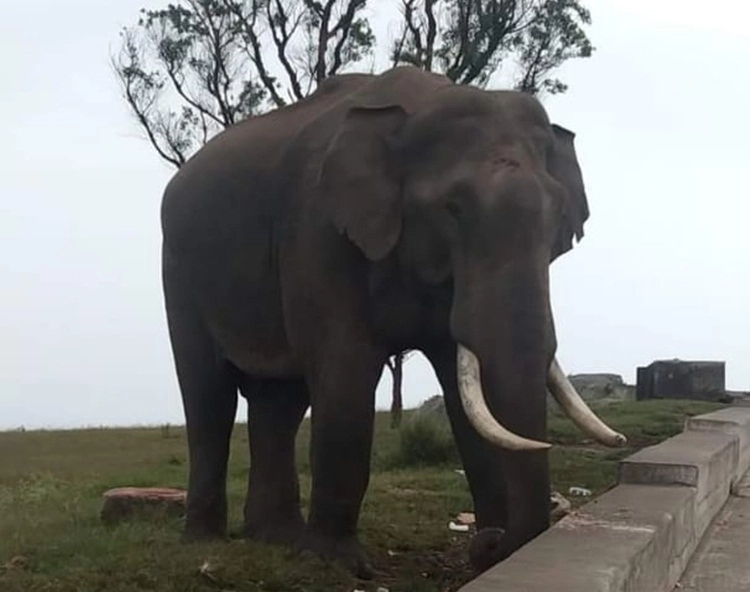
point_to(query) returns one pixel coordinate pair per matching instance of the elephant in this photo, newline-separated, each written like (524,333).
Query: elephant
(303,247)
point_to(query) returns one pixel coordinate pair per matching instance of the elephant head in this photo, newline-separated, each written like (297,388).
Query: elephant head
(479,191)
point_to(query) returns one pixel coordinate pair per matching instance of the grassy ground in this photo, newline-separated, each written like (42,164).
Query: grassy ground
(50,496)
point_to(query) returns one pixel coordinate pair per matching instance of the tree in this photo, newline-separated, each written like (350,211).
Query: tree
(396,366)
(196,67)
(468,40)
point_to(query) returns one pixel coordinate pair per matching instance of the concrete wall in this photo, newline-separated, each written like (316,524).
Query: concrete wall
(678,379)
(640,535)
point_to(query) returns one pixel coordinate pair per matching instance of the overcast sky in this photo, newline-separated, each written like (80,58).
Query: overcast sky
(663,137)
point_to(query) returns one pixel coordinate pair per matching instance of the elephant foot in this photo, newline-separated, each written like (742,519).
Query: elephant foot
(201,534)
(488,547)
(346,551)
(204,521)
(285,532)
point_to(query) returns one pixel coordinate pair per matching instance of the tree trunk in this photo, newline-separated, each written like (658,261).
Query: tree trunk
(397,372)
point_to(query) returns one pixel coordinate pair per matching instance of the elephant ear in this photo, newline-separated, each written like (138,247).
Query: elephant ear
(360,180)
(562,163)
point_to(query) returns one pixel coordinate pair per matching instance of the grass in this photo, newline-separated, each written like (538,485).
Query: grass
(51,483)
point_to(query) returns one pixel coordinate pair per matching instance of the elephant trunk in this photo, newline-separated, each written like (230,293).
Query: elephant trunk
(516,341)
(501,323)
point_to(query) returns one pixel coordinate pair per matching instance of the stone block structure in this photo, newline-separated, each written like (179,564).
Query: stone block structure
(680,379)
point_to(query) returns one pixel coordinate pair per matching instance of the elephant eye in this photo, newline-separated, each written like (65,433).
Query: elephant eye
(453,208)
(455,200)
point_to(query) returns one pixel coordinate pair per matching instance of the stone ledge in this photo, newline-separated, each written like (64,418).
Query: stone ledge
(632,537)
(742,487)
(732,420)
(704,460)
(640,535)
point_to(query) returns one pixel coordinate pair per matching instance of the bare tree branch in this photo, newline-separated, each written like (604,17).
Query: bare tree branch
(396,366)
(220,77)
(178,83)
(429,9)
(414,29)
(494,25)
(164,125)
(282,36)
(247,23)
(141,90)
(323,15)
(342,30)
(464,20)
(468,39)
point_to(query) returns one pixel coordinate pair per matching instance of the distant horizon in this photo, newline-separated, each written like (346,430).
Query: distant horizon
(382,408)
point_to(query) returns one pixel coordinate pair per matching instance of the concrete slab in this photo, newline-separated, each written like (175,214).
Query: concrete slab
(731,420)
(742,487)
(720,563)
(633,537)
(704,460)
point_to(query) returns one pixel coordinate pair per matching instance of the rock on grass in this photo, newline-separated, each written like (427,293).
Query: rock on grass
(128,503)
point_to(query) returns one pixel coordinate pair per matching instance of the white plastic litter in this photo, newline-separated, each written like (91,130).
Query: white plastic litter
(458,527)
(579,491)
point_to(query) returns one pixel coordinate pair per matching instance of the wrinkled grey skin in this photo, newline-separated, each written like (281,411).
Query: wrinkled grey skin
(305,246)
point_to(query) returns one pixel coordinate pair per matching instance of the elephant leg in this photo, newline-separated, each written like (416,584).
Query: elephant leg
(272,507)
(510,490)
(210,402)
(343,405)
(209,397)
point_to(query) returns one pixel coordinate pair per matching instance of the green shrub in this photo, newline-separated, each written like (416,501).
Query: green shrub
(424,441)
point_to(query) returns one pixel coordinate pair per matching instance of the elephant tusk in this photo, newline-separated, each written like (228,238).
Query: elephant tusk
(475,407)
(575,407)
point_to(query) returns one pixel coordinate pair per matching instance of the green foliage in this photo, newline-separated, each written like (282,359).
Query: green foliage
(424,441)
(468,40)
(553,36)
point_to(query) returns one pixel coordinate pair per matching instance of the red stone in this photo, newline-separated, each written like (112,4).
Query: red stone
(128,503)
